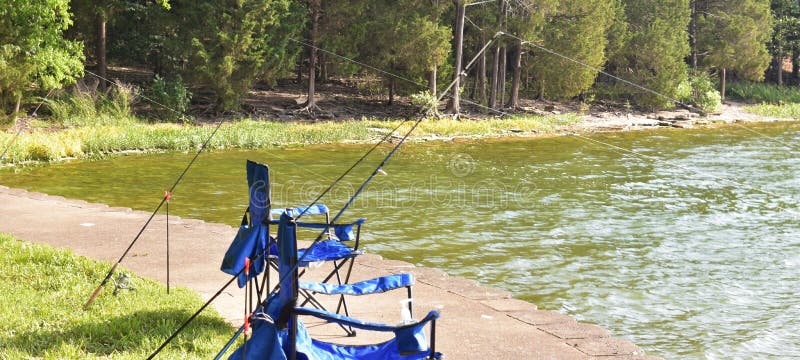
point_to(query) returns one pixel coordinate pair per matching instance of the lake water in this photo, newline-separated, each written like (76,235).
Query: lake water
(689,247)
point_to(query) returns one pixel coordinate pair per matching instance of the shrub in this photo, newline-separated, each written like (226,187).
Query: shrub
(704,95)
(89,106)
(173,98)
(426,102)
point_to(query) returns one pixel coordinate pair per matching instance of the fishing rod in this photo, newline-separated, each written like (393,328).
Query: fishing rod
(164,199)
(378,170)
(22,127)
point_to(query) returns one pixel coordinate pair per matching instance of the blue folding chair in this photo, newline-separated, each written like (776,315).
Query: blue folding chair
(254,243)
(278,333)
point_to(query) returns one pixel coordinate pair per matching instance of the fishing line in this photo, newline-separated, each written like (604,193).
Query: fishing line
(139,95)
(319,237)
(22,127)
(640,87)
(153,214)
(622,150)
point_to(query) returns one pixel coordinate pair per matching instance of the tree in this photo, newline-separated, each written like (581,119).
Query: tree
(98,13)
(407,41)
(461,10)
(33,53)
(655,49)
(225,45)
(576,29)
(732,35)
(786,34)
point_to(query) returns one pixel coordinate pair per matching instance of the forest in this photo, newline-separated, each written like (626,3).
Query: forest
(213,52)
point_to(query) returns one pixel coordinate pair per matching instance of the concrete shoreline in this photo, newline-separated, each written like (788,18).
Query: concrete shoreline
(477,322)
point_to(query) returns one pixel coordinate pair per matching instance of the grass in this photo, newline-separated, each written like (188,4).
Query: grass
(98,140)
(785,111)
(772,100)
(43,289)
(763,93)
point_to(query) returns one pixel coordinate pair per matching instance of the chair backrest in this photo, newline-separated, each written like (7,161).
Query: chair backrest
(260,193)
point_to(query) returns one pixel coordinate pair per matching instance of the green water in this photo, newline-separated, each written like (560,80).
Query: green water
(659,250)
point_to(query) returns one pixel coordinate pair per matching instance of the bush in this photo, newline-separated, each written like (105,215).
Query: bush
(173,98)
(89,106)
(426,102)
(704,94)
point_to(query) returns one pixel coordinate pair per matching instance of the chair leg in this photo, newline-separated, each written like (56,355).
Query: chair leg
(433,340)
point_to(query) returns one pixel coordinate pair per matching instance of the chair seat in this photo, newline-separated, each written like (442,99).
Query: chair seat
(372,286)
(326,250)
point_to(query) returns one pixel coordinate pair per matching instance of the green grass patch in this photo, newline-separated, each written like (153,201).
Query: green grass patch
(763,93)
(785,111)
(98,140)
(42,291)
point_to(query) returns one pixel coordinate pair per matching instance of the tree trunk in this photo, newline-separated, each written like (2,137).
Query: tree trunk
(432,81)
(460,13)
(482,79)
(299,79)
(495,71)
(779,63)
(314,6)
(323,68)
(391,92)
(18,105)
(502,83)
(513,99)
(693,32)
(101,49)
(795,65)
(722,84)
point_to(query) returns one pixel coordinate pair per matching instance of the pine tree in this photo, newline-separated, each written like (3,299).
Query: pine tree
(732,35)
(655,48)
(786,34)
(576,29)
(225,45)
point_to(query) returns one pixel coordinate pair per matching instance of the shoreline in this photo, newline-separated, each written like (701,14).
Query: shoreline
(468,308)
(43,146)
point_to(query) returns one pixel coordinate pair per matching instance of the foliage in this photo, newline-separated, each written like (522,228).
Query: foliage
(426,102)
(173,98)
(786,111)
(703,94)
(97,141)
(763,93)
(33,54)
(733,34)
(577,29)
(41,288)
(225,45)
(656,47)
(92,107)
(408,40)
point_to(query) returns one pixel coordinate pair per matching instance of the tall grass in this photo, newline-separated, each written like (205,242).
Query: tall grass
(763,93)
(785,111)
(41,293)
(92,107)
(99,140)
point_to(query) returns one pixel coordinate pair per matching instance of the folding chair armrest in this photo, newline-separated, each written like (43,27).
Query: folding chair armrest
(364,325)
(373,286)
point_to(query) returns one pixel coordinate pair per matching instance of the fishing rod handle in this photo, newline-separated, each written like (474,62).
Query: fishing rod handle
(99,289)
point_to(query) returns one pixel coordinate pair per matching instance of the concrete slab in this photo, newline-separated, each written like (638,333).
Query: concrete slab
(477,322)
